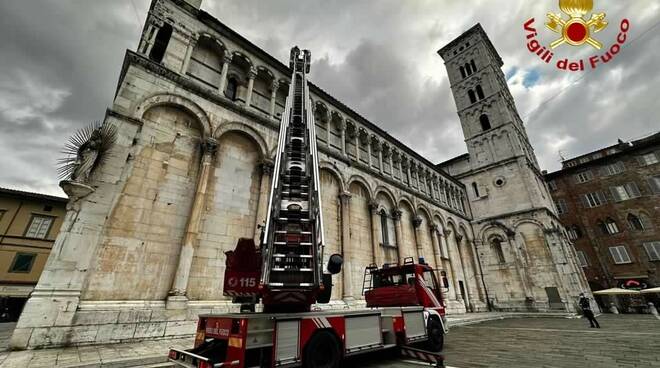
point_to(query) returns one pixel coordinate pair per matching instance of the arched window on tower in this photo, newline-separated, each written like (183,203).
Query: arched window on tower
(475,188)
(462,72)
(496,245)
(635,222)
(474,66)
(160,44)
(232,88)
(480,93)
(472,97)
(485,122)
(468,69)
(383,227)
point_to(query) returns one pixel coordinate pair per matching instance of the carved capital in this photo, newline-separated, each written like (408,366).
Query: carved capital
(274,86)
(373,206)
(267,167)
(252,73)
(417,221)
(227,58)
(209,146)
(447,232)
(345,197)
(435,228)
(459,237)
(396,214)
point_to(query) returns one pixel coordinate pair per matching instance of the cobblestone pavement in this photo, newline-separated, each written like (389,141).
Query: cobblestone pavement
(623,341)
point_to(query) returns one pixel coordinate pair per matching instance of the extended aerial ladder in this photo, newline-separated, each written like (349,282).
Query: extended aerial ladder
(291,276)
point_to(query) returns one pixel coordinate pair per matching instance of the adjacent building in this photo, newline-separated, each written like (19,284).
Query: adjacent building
(197,111)
(29,223)
(609,202)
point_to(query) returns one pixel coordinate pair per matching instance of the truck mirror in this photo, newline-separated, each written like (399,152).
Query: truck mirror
(334,264)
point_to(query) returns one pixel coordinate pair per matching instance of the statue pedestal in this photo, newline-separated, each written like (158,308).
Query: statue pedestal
(75,190)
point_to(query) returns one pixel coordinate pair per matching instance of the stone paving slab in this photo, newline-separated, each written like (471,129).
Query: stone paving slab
(623,341)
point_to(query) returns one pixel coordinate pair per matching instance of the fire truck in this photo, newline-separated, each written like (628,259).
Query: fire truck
(287,275)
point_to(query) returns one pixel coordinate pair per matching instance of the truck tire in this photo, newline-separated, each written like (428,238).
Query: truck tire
(436,334)
(322,351)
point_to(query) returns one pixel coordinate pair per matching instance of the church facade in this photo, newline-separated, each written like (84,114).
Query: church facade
(141,252)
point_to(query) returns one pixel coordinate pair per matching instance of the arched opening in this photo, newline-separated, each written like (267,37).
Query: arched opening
(462,69)
(206,62)
(485,122)
(635,222)
(468,69)
(474,66)
(231,91)
(472,97)
(387,230)
(496,246)
(160,44)
(480,93)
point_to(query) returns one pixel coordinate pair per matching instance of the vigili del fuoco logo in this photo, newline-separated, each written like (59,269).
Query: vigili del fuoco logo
(578,26)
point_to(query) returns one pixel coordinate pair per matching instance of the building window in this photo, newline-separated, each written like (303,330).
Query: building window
(22,263)
(613,169)
(232,89)
(584,176)
(654,183)
(611,226)
(496,244)
(462,69)
(595,199)
(473,99)
(474,66)
(648,159)
(160,44)
(582,259)
(383,227)
(561,206)
(39,227)
(574,232)
(468,69)
(620,254)
(480,93)
(624,192)
(485,122)
(653,250)
(552,185)
(635,222)
(475,188)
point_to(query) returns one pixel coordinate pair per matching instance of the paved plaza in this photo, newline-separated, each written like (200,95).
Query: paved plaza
(623,341)
(484,340)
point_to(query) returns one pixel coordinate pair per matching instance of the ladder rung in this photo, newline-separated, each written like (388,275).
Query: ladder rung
(280,255)
(279,269)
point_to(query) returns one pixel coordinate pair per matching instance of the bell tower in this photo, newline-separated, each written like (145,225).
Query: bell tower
(499,152)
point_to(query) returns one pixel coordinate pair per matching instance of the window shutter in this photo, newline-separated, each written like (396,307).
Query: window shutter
(615,255)
(654,183)
(633,190)
(615,194)
(624,254)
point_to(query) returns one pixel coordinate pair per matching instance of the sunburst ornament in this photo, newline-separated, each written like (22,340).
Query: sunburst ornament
(576,31)
(86,150)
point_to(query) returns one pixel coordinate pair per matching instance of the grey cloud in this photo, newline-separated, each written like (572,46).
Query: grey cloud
(377,57)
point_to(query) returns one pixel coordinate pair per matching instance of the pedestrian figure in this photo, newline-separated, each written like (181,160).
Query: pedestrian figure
(586,310)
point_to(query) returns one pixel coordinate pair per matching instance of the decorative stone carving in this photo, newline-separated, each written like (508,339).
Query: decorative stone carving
(396,214)
(417,221)
(373,205)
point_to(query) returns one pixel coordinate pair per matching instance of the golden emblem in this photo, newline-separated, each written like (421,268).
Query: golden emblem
(576,30)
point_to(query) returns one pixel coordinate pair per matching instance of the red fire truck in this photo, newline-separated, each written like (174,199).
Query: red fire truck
(286,275)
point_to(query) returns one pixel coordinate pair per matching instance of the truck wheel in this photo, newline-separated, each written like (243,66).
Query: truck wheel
(322,351)
(436,334)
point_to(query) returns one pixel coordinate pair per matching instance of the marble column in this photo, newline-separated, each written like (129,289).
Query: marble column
(248,97)
(466,276)
(150,43)
(264,195)
(347,247)
(436,246)
(378,256)
(357,146)
(273,97)
(144,41)
(417,225)
(369,151)
(452,258)
(226,61)
(342,127)
(177,298)
(477,270)
(398,232)
(189,51)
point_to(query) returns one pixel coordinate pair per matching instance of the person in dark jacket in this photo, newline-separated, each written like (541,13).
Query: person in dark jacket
(586,310)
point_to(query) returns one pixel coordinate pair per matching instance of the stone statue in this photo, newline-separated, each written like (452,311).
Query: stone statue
(86,157)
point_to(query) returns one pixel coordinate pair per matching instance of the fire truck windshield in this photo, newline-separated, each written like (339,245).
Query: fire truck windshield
(429,279)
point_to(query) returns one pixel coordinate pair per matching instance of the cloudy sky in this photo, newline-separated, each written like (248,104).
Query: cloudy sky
(60,60)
